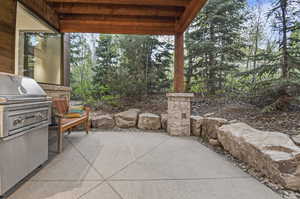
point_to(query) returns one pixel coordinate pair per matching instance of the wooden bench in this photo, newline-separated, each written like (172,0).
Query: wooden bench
(61,107)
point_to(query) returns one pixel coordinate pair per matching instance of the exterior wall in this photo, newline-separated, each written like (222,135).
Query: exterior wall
(8,10)
(56,91)
(7,35)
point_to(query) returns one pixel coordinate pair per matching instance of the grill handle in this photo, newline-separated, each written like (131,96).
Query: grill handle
(25,132)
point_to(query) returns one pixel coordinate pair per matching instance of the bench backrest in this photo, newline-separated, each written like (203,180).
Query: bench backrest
(61,105)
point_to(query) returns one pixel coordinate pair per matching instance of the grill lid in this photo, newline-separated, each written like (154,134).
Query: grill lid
(17,88)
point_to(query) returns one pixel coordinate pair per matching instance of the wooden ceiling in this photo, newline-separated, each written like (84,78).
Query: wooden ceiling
(158,17)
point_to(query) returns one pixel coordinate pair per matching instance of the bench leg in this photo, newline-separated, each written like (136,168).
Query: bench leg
(87,128)
(60,136)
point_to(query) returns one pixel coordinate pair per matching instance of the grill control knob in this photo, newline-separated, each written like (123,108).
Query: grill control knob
(17,121)
(39,116)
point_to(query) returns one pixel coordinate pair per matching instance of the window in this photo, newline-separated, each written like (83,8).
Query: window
(38,53)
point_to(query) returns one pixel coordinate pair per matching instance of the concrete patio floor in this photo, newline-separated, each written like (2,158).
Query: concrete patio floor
(138,165)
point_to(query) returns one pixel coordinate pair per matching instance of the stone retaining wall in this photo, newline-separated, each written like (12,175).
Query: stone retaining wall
(272,153)
(132,118)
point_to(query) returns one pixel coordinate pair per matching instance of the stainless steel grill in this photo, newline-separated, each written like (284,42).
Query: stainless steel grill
(25,112)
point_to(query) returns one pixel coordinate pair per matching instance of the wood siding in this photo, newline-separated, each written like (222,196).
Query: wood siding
(7,35)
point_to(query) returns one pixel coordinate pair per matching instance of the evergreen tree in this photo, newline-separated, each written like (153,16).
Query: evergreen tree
(81,65)
(286,21)
(147,62)
(256,34)
(106,63)
(214,42)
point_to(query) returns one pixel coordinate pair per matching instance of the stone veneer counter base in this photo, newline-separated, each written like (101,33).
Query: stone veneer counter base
(56,90)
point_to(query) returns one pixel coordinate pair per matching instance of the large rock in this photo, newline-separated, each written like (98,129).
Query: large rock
(214,142)
(196,125)
(164,121)
(135,110)
(103,121)
(149,121)
(210,127)
(127,119)
(272,153)
(296,139)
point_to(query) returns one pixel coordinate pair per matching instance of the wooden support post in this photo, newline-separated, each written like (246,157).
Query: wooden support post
(179,86)
(66,59)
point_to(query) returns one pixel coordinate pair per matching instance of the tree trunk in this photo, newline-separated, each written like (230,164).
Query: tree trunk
(189,73)
(255,52)
(285,64)
(211,72)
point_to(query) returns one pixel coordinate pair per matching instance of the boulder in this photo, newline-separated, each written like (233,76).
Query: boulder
(214,142)
(135,110)
(196,125)
(210,127)
(164,121)
(127,119)
(149,121)
(233,121)
(103,121)
(296,139)
(272,153)
(209,114)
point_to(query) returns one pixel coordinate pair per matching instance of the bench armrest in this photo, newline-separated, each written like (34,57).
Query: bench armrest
(87,110)
(58,115)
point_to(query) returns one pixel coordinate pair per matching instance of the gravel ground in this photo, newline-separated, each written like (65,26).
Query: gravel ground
(286,122)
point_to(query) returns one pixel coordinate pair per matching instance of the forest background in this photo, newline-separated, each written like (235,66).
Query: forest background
(237,49)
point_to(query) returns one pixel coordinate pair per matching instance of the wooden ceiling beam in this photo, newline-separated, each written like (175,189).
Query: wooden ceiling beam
(118,20)
(91,9)
(179,3)
(117,24)
(70,26)
(189,14)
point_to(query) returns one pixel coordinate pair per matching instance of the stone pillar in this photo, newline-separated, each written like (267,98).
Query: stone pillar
(179,114)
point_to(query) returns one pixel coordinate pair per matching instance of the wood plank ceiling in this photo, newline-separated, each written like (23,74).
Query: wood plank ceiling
(157,17)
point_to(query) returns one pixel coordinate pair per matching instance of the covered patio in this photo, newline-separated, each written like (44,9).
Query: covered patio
(132,164)
(127,164)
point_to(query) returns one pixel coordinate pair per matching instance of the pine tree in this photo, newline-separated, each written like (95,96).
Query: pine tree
(214,42)
(106,63)
(147,60)
(81,68)
(286,21)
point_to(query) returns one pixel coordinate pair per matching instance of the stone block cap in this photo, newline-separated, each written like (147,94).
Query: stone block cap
(180,95)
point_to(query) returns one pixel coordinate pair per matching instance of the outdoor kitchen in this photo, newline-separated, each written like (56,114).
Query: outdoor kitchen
(37,74)
(25,113)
